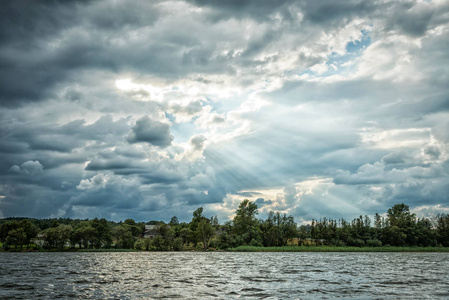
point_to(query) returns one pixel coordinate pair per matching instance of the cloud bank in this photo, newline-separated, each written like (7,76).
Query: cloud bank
(147,110)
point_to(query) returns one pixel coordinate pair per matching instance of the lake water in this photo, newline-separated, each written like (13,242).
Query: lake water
(194,275)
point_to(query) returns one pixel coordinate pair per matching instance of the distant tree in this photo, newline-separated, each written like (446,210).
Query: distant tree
(17,238)
(205,232)
(425,236)
(102,233)
(278,229)
(124,237)
(84,235)
(167,234)
(197,218)
(6,228)
(303,234)
(226,240)
(442,229)
(214,222)
(399,215)
(159,243)
(246,226)
(30,231)
(185,234)
(136,229)
(144,244)
(178,244)
(57,237)
(174,221)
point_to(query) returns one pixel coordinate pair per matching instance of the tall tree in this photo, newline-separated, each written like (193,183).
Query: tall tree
(245,223)
(205,232)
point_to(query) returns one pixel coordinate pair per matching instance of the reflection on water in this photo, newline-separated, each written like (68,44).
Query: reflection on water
(148,275)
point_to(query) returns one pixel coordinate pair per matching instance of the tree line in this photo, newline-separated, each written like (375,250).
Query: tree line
(399,227)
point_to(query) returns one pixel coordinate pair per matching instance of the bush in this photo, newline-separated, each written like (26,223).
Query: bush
(339,243)
(213,243)
(177,244)
(373,243)
(255,243)
(356,242)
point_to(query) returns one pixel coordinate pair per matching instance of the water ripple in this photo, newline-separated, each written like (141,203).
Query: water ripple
(186,275)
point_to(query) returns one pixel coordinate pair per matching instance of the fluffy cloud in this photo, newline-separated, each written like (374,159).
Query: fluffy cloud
(28,168)
(150,131)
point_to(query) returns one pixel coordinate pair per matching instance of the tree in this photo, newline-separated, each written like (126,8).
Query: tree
(57,237)
(124,237)
(168,235)
(214,222)
(84,235)
(16,237)
(205,232)
(197,218)
(245,222)
(136,230)
(6,228)
(102,233)
(174,221)
(185,234)
(399,216)
(177,244)
(442,229)
(30,231)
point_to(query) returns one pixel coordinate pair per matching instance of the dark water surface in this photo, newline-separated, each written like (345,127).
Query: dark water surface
(146,275)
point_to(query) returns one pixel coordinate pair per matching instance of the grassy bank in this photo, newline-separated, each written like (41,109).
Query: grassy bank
(107,250)
(337,249)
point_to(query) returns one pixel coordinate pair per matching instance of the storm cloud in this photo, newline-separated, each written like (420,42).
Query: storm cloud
(149,109)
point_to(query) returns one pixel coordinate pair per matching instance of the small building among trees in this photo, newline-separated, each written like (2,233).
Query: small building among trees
(151,231)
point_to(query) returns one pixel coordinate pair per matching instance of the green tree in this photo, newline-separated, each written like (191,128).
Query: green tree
(278,229)
(245,223)
(442,229)
(178,244)
(5,229)
(205,232)
(186,235)
(17,238)
(103,237)
(167,234)
(136,229)
(399,216)
(197,218)
(84,235)
(57,237)
(30,231)
(124,237)
(174,221)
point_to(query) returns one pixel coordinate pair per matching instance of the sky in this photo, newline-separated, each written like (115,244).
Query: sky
(150,109)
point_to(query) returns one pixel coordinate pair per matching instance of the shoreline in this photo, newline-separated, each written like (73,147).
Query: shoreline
(259,249)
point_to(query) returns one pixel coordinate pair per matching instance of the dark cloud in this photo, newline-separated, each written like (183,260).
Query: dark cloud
(42,46)
(150,131)
(410,18)
(261,202)
(336,13)
(259,10)
(28,168)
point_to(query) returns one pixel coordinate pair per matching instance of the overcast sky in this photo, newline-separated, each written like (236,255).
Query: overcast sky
(151,109)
